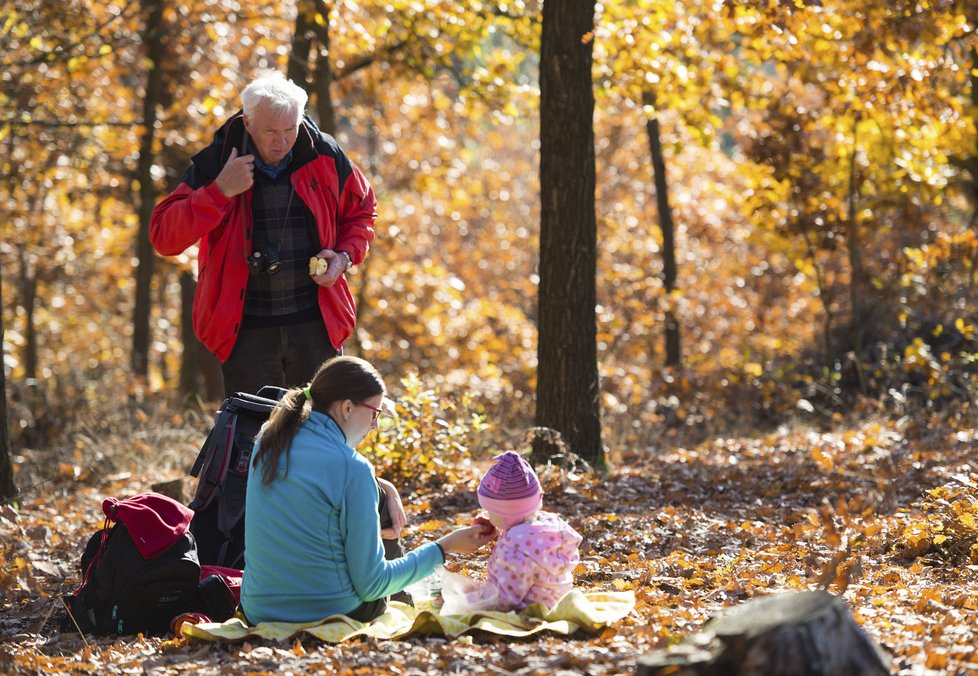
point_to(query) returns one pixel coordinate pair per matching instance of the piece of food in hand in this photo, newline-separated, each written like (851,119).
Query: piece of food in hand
(487,527)
(318,266)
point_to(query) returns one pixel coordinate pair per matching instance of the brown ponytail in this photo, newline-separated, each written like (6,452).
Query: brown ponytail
(338,379)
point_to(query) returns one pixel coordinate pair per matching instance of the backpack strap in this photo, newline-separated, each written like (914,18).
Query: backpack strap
(98,555)
(217,479)
(218,442)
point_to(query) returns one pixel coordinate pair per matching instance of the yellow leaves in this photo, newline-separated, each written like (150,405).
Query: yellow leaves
(964,328)
(823,459)
(209,103)
(432,525)
(937,657)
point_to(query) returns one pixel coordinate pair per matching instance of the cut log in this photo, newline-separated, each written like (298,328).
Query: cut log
(796,633)
(171,489)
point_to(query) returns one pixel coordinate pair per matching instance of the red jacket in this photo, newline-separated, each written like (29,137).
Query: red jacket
(337,194)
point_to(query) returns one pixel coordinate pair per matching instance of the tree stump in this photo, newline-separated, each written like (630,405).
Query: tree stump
(171,489)
(797,633)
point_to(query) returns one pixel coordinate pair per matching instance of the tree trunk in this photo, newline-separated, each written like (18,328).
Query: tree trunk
(322,78)
(28,297)
(673,356)
(200,372)
(311,37)
(7,487)
(855,270)
(567,380)
(299,66)
(791,634)
(153,43)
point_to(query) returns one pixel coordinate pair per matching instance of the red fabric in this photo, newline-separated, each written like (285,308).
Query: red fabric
(232,576)
(155,522)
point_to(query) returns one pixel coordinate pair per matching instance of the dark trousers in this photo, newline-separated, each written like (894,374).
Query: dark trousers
(284,356)
(393,549)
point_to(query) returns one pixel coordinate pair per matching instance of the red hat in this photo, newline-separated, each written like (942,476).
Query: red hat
(155,522)
(510,489)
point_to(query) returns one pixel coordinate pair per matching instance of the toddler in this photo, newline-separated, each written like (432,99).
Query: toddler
(535,556)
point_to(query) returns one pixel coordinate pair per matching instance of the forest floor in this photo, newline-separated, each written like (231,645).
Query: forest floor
(878,512)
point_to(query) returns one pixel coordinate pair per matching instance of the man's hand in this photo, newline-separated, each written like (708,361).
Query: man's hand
(237,175)
(337,266)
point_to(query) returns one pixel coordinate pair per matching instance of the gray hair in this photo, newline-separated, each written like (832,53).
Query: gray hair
(276,92)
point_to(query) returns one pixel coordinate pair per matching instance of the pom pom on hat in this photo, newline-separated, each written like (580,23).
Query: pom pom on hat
(510,489)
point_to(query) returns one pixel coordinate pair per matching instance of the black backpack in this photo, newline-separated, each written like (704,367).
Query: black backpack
(125,592)
(221,470)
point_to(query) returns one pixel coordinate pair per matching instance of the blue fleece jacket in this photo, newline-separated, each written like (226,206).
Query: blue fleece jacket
(312,536)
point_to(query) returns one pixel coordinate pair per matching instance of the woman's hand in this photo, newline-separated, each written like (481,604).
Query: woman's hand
(396,510)
(466,540)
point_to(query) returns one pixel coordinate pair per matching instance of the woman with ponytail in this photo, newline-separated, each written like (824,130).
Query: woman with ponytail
(314,544)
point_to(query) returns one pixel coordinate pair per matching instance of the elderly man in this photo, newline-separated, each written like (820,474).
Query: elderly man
(269,193)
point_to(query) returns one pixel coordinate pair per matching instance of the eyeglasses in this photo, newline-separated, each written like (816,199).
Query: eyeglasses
(377,411)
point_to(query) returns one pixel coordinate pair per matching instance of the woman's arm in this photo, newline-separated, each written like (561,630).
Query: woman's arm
(395,508)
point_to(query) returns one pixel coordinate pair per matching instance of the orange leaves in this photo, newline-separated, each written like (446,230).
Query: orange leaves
(948,525)
(823,459)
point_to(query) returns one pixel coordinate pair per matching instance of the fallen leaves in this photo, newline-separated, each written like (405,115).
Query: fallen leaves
(690,530)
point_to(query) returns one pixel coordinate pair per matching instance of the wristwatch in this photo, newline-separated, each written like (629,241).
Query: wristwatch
(349,261)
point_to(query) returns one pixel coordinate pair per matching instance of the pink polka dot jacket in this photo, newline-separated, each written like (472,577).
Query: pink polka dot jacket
(534,562)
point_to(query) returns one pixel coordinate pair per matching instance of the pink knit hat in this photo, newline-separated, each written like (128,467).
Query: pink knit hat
(510,489)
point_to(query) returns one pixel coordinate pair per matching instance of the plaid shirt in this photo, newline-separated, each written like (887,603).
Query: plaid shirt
(283,223)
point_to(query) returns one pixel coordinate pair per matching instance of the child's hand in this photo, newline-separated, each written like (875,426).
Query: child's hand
(487,527)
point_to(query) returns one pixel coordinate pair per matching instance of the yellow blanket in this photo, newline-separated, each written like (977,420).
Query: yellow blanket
(587,611)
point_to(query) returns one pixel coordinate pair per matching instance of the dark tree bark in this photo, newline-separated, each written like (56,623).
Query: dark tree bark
(856,275)
(567,381)
(299,66)
(28,297)
(669,270)
(7,487)
(791,634)
(153,43)
(200,372)
(311,38)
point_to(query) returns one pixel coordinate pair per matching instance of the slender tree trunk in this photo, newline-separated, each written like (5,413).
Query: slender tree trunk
(200,372)
(8,488)
(673,356)
(311,38)
(153,43)
(323,77)
(28,297)
(855,272)
(567,382)
(299,66)
(362,278)
(969,164)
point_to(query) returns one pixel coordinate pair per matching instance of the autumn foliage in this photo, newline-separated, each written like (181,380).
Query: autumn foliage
(822,165)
